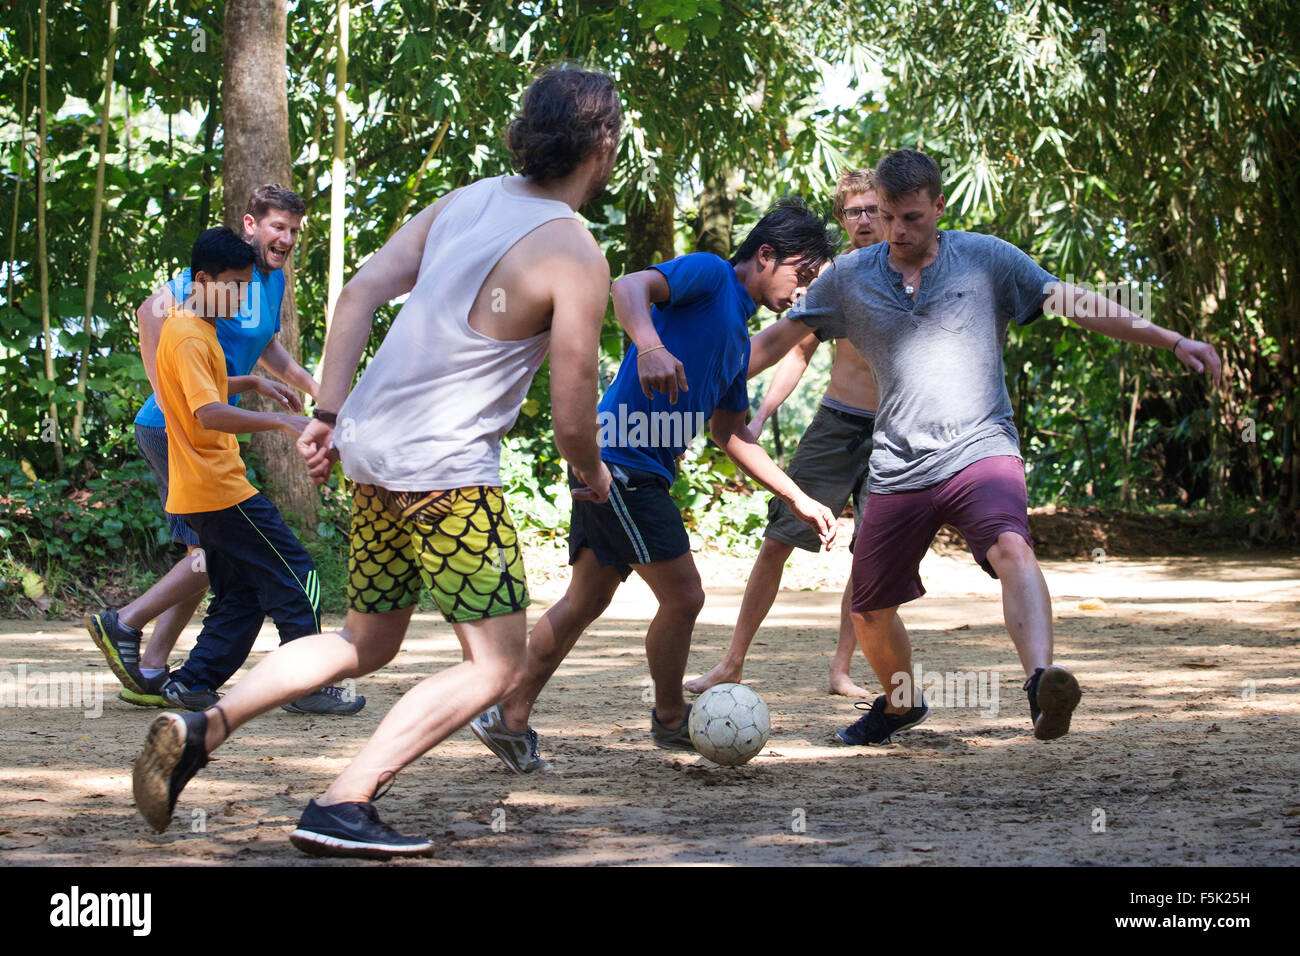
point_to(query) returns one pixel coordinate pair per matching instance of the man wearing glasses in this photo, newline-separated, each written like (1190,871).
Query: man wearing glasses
(830,463)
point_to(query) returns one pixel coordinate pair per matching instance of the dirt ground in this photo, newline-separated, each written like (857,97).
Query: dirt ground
(1182,752)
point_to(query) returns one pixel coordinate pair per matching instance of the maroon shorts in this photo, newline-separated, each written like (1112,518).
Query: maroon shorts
(981,501)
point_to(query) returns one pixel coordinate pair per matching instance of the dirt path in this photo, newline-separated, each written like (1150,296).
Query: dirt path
(1185,740)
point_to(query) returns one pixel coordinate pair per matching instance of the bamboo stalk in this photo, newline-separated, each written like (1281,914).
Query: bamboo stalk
(22,165)
(338,173)
(96,218)
(419,177)
(42,258)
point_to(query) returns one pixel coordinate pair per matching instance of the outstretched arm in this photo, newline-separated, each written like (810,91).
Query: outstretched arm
(787,375)
(277,360)
(221,417)
(1096,313)
(773,343)
(728,430)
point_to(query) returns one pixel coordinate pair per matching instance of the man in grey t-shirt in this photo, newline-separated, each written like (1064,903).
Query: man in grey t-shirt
(929,311)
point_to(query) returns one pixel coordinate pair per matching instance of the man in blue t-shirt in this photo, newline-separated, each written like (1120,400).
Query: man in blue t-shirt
(688,322)
(271,226)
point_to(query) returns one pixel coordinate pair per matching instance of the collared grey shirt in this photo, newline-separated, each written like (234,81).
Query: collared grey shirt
(937,359)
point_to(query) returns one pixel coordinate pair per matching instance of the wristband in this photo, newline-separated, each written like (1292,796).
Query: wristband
(641,354)
(1181,340)
(329,418)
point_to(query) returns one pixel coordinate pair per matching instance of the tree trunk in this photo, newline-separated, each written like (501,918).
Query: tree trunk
(51,427)
(96,217)
(649,230)
(717,213)
(255,123)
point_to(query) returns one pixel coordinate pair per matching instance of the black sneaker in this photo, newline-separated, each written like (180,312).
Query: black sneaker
(353,829)
(876,726)
(121,648)
(1053,694)
(188,698)
(333,701)
(173,752)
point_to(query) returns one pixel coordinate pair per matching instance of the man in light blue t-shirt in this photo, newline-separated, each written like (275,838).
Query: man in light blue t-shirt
(271,226)
(687,365)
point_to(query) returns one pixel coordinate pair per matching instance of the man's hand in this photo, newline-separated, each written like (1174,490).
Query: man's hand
(594,487)
(314,446)
(282,394)
(817,516)
(1199,357)
(660,371)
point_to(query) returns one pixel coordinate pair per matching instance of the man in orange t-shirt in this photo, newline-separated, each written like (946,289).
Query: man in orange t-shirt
(256,565)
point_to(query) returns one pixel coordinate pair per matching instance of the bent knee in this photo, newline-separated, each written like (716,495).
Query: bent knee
(1011,549)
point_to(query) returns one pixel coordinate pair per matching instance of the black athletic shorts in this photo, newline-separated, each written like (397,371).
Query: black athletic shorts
(639,523)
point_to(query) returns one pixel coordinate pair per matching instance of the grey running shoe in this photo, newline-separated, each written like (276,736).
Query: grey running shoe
(121,648)
(328,700)
(1053,694)
(517,749)
(189,698)
(678,738)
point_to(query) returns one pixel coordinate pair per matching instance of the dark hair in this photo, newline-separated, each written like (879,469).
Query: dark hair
(905,171)
(274,196)
(566,114)
(219,250)
(793,231)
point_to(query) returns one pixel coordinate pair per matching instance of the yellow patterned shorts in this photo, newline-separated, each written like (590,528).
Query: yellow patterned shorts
(461,543)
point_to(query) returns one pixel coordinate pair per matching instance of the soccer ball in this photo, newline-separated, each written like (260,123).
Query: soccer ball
(729,724)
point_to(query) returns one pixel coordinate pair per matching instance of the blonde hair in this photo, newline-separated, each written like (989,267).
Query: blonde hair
(850,183)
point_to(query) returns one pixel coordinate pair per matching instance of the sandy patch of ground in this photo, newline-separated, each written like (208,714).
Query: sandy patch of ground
(1185,739)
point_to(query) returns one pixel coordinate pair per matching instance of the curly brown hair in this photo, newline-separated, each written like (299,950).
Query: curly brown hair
(567,113)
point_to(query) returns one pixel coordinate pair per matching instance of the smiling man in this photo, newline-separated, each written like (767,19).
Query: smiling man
(687,320)
(929,310)
(271,225)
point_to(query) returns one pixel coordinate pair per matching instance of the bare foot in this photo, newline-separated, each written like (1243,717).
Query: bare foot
(843,685)
(724,673)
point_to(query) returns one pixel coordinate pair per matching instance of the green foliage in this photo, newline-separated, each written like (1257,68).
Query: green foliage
(1123,142)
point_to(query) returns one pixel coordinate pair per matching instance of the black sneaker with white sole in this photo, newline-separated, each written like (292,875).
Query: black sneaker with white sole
(174,751)
(877,726)
(1053,694)
(353,829)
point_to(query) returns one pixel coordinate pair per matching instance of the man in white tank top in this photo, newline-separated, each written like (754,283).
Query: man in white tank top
(492,270)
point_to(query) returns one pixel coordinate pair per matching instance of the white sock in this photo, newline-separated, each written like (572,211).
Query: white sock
(152,672)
